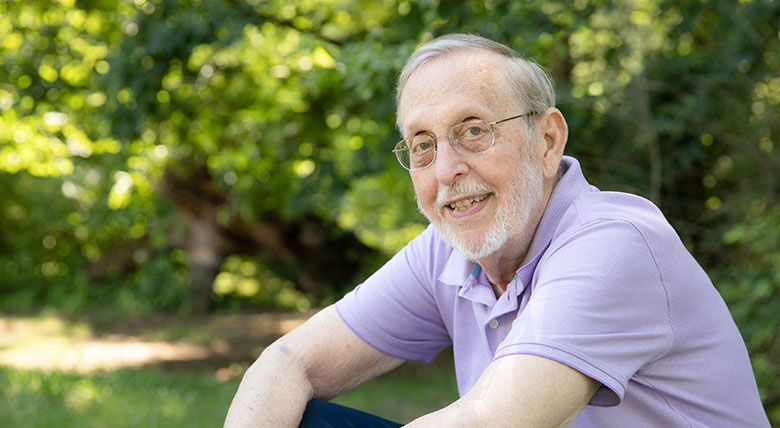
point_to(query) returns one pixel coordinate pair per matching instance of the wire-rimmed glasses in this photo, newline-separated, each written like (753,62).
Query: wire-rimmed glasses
(469,137)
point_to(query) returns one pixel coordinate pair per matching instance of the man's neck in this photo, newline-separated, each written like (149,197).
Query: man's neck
(500,270)
(501,266)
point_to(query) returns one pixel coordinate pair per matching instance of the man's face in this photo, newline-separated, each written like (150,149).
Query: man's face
(479,203)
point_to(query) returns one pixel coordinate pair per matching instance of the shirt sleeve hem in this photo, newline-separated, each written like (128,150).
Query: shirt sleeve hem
(612,395)
(375,342)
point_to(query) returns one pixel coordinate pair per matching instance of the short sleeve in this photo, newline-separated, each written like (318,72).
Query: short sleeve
(598,305)
(394,310)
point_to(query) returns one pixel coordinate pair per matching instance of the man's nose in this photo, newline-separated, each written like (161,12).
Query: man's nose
(449,162)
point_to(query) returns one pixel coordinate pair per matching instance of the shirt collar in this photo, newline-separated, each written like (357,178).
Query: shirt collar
(460,271)
(571,185)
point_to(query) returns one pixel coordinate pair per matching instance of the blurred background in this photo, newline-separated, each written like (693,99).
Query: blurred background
(183,180)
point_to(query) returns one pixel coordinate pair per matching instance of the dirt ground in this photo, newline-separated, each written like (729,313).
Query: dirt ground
(224,343)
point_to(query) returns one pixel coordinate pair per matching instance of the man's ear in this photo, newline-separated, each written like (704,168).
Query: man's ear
(555,133)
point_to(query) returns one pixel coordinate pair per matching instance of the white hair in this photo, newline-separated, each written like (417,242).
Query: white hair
(524,81)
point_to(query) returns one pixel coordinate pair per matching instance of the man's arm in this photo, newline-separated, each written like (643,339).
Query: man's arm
(518,391)
(320,359)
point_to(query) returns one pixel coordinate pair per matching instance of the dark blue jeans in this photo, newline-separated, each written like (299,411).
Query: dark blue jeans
(321,414)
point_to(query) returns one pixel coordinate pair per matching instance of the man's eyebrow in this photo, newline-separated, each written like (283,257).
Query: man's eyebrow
(415,128)
(414,131)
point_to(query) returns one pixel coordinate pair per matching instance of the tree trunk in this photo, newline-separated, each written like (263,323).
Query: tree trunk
(316,255)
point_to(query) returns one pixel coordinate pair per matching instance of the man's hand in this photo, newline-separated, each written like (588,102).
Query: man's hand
(320,359)
(518,391)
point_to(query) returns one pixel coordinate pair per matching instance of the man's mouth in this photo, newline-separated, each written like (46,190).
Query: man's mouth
(464,204)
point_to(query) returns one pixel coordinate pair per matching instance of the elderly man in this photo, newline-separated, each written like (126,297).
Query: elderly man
(565,305)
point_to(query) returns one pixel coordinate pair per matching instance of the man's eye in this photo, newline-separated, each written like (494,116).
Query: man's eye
(473,132)
(422,147)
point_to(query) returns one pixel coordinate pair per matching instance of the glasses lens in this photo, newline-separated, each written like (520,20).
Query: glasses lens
(402,153)
(473,136)
(422,150)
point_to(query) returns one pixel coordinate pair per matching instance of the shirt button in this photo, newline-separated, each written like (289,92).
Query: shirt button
(493,324)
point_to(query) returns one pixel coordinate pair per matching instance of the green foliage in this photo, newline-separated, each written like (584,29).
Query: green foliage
(70,194)
(239,283)
(752,291)
(289,108)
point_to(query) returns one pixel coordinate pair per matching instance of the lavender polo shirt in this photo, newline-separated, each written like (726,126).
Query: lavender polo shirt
(607,288)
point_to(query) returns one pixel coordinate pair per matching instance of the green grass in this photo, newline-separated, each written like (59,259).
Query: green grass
(402,395)
(124,398)
(149,397)
(182,394)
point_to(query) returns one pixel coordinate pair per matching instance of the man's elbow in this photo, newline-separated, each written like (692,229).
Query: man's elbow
(277,360)
(273,392)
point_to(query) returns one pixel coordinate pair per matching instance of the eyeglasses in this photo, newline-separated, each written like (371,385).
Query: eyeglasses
(468,138)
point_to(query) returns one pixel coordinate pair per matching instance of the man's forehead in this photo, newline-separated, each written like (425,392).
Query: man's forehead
(474,66)
(462,84)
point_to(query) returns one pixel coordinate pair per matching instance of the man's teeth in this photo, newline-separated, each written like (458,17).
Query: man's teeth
(464,204)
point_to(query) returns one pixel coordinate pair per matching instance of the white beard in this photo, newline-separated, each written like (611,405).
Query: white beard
(524,197)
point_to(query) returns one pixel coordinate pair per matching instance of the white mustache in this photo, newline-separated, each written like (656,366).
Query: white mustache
(462,188)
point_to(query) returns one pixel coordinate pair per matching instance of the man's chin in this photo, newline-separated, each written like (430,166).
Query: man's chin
(474,252)
(468,247)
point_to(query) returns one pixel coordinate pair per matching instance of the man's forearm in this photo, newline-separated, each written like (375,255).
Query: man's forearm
(518,391)
(273,393)
(476,414)
(322,358)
